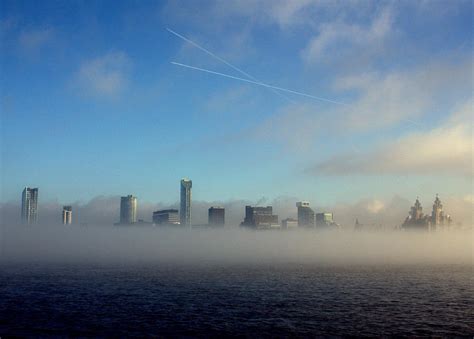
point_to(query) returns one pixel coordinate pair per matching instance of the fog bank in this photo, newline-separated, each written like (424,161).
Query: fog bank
(133,245)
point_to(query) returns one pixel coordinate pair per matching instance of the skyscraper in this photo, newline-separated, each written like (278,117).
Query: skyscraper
(67,215)
(185,203)
(217,216)
(29,206)
(305,214)
(128,210)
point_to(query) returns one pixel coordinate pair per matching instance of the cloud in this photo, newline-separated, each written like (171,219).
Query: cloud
(106,75)
(33,40)
(379,101)
(338,38)
(444,150)
(375,206)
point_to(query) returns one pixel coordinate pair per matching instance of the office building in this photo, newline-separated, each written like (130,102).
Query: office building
(305,214)
(128,210)
(260,218)
(67,215)
(166,217)
(29,206)
(325,219)
(216,216)
(185,202)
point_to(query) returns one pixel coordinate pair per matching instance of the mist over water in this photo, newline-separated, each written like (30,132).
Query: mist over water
(142,245)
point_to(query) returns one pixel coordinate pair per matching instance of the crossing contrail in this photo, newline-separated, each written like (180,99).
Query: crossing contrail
(258,83)
(241,71)
(213,55)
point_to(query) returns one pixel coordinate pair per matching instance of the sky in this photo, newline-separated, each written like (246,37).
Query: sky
(92,106)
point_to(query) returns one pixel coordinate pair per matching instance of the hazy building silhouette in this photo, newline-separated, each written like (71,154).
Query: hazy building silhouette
(216,216)
(416,220)
(29,206)
(67,215)
(260,218)
(438,217)
(185,202)
(289,223)
(305,214)
(166,217)
(325,219)
(128,210)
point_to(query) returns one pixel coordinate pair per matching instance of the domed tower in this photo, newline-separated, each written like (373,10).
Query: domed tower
(415,219)
(416,211)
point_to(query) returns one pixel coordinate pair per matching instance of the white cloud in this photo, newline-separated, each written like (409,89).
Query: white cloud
(444,150)
(338,37)
(380,101)
(106,75)
(375,206)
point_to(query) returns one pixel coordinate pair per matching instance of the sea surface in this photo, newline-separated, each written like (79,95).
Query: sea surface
(283,299)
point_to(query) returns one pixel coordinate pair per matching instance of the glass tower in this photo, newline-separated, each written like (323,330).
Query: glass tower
(128,209)
(185,203)
(29,206)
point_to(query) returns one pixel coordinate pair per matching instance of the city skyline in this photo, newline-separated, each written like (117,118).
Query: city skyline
(236,168)
(228,133)
(306,217)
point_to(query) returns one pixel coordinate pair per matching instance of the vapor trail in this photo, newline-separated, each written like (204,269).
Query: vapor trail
(195,44)
(258,83)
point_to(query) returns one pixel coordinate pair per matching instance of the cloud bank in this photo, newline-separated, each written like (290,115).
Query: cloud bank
(144,245)
(443,150)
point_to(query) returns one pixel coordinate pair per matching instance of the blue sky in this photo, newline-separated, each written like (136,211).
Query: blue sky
(91,105)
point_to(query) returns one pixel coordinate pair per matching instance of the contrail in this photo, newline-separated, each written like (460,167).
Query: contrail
(213,55)
(258,83)
(195,44)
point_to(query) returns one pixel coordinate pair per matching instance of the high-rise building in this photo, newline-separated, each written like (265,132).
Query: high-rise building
(305,214)
(67,215)
(29,206)
(166,217)
(128,210)
(260,218)
(217,216)
(185,202)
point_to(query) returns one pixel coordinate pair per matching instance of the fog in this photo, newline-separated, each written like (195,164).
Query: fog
(104,210)
(138,245)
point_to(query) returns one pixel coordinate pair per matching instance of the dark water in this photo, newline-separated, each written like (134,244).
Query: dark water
(249,300)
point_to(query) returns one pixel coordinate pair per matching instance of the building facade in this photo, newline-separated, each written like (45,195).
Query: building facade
(128,210)
(185,202)
(166,217)
(416,220)
(260,218)
(29,206)
(289,223)
(216,216)
(67,215)
(305,214)
(324,219)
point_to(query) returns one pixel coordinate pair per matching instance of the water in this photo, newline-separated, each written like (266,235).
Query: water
(281,299)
